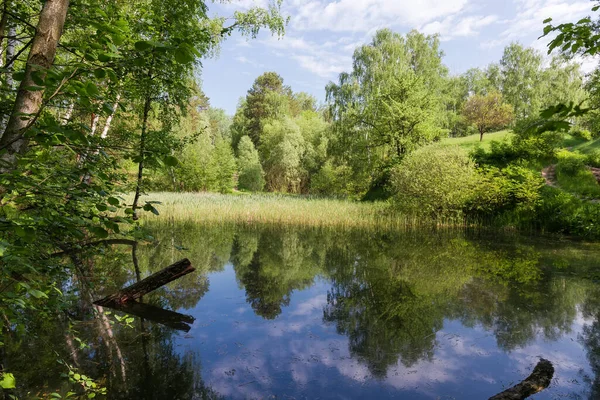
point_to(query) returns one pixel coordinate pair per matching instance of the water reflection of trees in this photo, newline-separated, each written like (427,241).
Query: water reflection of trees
(390,295)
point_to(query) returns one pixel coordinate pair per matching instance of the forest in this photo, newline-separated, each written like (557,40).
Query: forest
(104,126)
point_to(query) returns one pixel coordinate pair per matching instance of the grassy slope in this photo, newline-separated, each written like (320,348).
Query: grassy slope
(471,142)
(587,147)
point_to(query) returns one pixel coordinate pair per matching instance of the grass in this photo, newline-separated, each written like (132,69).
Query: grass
(471,142)
(283,210)
(587,147)
(574,177)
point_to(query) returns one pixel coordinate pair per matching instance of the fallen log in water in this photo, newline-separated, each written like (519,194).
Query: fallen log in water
(539,380)
(171,319)
(147,285)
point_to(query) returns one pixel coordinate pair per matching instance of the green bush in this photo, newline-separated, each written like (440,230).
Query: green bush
(593,159)
(570,163)
(574,176)
(435,182)
(580,133)
(561,212)
(515,188)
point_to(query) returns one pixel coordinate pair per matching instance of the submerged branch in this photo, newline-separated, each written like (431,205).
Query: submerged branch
(539,380)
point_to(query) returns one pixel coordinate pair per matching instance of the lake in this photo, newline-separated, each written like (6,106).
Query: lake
(325,314)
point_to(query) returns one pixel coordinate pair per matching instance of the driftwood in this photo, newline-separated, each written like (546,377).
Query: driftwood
(539,380)
(147,285)
(171,319)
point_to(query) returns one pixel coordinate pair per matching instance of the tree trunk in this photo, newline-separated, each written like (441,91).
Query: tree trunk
(3,22)
(540,379)
(10,53)
(148,284)
(138,187)
(480,136)
(109,119)
(41,58)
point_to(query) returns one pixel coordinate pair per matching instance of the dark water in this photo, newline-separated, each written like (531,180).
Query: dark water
(318,314)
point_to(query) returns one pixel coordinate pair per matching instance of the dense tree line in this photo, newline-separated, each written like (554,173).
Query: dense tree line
(399,96)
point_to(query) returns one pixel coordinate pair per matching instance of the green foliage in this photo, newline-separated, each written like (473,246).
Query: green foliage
(251,174)
(434,182)
(487,112)
(382,110)
(223,164)
(574,176)
(582,134)
(282,149)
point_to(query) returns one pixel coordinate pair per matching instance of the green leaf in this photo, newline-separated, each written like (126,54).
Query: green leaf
(99,232)
(37,294)
(142,45)
(171,161)
(91,89)
(37,78)
(547,20)
(150,207)
(19,76)
(113,201)
(99,73)
(91,395)
(101,207)
(77,377)
(7,381)
(183,55)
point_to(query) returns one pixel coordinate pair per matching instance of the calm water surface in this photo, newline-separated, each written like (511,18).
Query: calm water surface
(319,314)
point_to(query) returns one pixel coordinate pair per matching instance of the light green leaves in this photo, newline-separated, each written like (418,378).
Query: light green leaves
(8,381)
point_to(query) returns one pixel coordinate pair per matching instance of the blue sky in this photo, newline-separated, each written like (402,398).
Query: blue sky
(322,35)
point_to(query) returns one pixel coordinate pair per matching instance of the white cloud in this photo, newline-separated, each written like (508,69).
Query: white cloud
(244,60)
(452,27)
(363,15)
(310,306)
(326,60)
(530,15)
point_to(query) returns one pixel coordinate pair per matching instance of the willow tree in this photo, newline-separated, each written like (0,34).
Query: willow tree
(389,104)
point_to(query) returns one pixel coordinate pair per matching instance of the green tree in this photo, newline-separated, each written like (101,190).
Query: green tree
(389,104)
(268,98)
(487,112)
(282,150)
(521,80)
(223,167)
(251,174)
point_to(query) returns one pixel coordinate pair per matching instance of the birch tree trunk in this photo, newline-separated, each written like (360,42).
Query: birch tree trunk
(41,57)
(10,53)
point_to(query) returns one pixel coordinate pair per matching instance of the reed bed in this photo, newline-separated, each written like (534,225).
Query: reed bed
(283,210)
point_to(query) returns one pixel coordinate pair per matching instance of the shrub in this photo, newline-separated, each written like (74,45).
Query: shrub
(513,188)
(434,181)
(593,159)
(580,133)
(331,181)
(574,176)
(570,163)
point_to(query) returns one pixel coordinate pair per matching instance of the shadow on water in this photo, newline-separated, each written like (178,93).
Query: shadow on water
(311,313)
